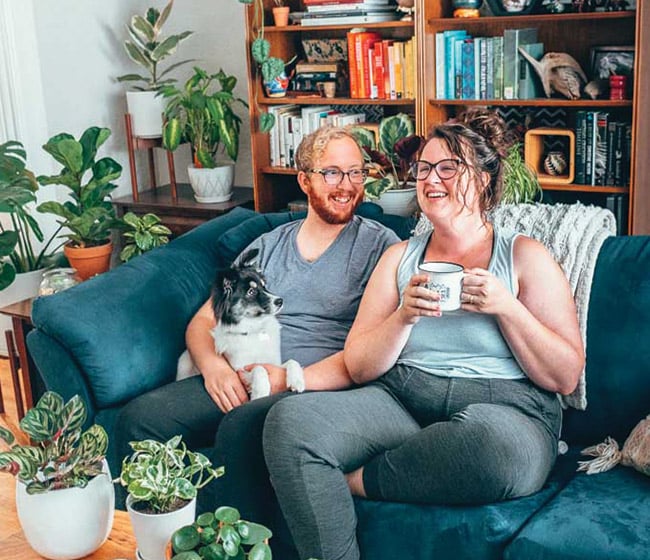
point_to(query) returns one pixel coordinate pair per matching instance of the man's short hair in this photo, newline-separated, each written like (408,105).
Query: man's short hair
(314,145)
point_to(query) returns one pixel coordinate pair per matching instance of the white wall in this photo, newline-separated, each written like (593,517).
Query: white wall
(79,47)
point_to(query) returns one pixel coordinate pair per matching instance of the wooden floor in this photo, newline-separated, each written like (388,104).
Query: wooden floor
(9,419)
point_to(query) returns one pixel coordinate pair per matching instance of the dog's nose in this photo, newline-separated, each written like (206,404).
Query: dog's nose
(278,302)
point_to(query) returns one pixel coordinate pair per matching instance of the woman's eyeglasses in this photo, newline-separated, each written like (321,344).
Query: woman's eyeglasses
(445,168)
(334,177)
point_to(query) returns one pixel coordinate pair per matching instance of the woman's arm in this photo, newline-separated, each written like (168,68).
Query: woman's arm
(382,326)
(540,325)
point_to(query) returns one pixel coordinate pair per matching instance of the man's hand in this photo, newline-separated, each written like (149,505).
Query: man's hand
(225,388)
(277,376)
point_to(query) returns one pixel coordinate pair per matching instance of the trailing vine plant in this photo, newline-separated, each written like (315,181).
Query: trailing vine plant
(271,67)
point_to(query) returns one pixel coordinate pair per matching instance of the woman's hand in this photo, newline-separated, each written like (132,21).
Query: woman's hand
(484,293)
(418,301)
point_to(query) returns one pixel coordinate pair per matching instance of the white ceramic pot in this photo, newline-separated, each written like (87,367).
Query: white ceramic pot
(402,202)
(23,287)
(153,531)
(70,523)
(146,111)
(212,185)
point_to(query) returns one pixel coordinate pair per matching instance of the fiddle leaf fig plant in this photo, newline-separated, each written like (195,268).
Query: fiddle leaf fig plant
(222,534)
(147,48)
(88,215)
(390,156)
(142,233)
(63,454)
(162,477)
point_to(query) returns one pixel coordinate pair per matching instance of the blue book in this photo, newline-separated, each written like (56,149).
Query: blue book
(467,69)
(451,36)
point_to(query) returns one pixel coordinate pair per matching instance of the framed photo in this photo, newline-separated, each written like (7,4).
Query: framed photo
(606,61)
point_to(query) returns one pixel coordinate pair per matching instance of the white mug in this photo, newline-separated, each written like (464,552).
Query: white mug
(446,278)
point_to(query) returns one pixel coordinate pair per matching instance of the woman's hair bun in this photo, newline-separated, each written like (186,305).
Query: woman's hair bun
(490,125)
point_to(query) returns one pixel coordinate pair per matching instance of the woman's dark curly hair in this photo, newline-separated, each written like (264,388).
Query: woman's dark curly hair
(481,139)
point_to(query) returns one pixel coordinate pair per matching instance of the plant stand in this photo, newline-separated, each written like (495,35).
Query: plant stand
(139,143)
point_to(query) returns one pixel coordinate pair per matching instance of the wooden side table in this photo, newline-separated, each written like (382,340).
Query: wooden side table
(183,213)
(21,322)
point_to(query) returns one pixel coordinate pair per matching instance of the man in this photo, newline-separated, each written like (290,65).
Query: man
(319,266)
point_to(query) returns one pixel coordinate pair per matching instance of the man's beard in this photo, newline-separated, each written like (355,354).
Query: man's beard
(324,210)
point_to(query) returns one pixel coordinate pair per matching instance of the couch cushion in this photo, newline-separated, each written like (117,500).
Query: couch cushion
(422,532)
(600,517)
(618,353)
(126,328)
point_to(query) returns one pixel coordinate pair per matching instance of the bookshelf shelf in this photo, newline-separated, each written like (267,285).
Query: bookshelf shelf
(279,170)
(386,25)
(317,100)
(576,34)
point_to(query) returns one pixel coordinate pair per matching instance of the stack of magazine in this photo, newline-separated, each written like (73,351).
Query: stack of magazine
(348,12)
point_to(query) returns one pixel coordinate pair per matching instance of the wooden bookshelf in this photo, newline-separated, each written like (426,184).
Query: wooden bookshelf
(576,34)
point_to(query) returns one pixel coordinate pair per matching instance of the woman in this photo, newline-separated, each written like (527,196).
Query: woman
(459,407)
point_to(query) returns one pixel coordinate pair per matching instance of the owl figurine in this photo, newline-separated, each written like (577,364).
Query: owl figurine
(559,72)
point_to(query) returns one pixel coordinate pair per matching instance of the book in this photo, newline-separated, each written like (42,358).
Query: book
(274,135)
(304,67)
(512,40)
(580,132)
(600,148)
(498,67)
(311,3)
(350,20)
(451,36)
(590,139)
(467,72)
(348,7)
(378,60)
(530,86)
(440,65)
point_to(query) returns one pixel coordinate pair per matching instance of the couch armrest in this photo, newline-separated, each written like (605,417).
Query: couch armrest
(125,328)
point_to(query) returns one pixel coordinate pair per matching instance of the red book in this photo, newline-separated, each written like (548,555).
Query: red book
(364,41)
(378,56)
(352,63)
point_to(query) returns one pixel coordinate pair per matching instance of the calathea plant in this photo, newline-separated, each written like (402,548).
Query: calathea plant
(147,48)
(391,155)
(162,477)
(222,534)
(63,455)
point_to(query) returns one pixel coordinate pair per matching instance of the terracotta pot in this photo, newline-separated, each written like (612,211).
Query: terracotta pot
(281,16)
(89,261)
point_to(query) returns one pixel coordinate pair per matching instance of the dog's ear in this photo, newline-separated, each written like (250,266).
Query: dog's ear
(222,289)
(248,258)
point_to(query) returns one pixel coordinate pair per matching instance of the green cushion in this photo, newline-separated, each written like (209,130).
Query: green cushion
(597,517)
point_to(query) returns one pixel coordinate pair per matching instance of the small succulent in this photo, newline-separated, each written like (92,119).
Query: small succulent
(142,234)
(62,454)
(222,534)
(391,155)
(164,476)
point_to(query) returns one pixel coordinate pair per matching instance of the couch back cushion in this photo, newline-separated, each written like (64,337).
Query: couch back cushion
(125,329)
(618,344)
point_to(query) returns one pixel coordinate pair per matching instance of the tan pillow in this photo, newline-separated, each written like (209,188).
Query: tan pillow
(636,452)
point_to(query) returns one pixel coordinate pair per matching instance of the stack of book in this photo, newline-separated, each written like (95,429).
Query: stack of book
(309,75)
(348,12)
(380,68)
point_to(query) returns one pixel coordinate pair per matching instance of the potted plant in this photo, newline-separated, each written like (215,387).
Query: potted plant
(202,114)
(64,494)
(148,48)
(389,158)
(88,214)
(222,534)
(280,13)
(162,481)
(142,233)
(520,182)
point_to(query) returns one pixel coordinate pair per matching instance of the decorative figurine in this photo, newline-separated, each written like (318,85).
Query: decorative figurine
(555,163)
(559,72)
(407,7)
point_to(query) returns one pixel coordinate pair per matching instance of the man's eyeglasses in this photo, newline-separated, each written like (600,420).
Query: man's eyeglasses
(334,177)
(445,168)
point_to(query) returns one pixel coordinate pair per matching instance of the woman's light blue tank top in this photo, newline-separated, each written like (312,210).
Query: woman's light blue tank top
(460,343)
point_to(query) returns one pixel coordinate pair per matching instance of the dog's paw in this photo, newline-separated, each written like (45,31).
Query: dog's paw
(185,367)
(295,376)
(260,385)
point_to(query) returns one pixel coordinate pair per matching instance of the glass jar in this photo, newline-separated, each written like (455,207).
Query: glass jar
(57,280)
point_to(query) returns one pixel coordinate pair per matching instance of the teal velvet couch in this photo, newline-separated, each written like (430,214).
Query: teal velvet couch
(118,335)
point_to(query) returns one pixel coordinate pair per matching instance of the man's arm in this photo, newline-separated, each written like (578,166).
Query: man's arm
(220,380)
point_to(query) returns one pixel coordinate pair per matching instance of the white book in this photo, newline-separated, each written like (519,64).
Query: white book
(306,113)
(296,130)
(440,66)
(274,141)
(349,7)
(350,20)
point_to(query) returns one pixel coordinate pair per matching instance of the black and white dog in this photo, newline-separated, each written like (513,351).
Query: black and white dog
(247,330)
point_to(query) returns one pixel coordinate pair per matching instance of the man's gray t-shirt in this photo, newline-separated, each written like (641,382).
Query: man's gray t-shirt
(321,298)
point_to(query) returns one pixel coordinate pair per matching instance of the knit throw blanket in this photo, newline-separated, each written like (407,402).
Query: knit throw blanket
(573,234)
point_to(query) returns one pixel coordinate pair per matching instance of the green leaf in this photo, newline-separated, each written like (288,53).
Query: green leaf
(260,551)
(205,519)
(267,121)
(8,240)
(144,29)
(272,68)
(260,49)
(7,274)
(172,133)
(128,253)
(67,151)
(168,46)
(138,56)
(374,188)
(256,533)
(185,538)
(227,514)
